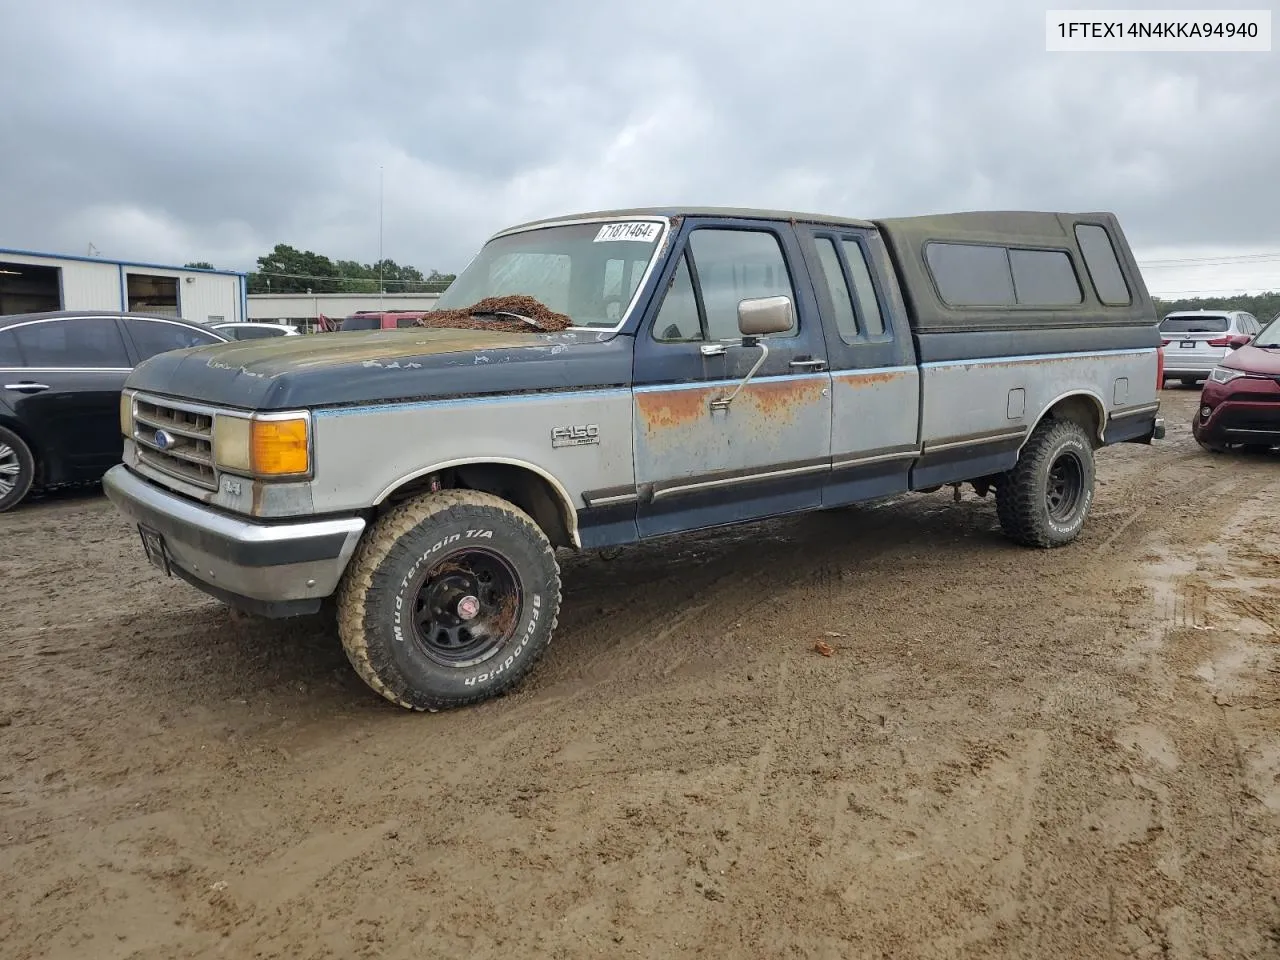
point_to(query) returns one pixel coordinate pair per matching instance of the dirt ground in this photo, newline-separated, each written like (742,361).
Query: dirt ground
(1011,753)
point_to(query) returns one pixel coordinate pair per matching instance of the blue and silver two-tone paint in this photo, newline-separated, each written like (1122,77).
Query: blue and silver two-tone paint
(896,355)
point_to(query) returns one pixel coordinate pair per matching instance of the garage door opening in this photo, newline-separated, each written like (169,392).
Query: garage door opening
(25,288)
(153,294)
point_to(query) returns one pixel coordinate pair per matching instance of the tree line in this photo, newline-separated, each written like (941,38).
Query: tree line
(1264,306)
(289,270)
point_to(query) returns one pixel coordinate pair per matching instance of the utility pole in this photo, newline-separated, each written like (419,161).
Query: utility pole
(381,285)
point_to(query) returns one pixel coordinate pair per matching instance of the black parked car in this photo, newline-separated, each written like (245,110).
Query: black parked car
(60,380)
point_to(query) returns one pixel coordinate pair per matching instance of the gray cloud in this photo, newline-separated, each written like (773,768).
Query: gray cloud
(161,132)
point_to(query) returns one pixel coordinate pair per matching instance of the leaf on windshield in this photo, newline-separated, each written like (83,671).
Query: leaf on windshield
(511,314)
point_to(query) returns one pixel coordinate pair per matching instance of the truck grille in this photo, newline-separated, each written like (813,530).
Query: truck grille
(175,439)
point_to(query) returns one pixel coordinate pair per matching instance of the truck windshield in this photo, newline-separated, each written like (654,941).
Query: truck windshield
(588,271)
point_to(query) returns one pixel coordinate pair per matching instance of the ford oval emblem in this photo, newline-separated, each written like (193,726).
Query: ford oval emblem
(163,439)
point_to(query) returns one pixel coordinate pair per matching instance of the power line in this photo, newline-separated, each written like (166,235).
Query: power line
(1235,258)
(1214,292)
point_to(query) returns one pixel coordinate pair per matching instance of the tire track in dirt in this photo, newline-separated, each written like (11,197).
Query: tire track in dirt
(810,556)
(1155,819)
(725,589)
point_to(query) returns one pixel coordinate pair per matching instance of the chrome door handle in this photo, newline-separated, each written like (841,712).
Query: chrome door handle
(810,364)
(26,387)
(712,349)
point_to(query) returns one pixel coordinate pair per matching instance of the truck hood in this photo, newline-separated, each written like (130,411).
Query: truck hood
(381,366)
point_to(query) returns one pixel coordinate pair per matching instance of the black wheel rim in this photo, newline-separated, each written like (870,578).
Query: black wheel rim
(466,607)
(1066,486)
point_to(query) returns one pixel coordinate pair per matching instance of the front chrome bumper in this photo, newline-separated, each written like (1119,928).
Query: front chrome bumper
(274,569)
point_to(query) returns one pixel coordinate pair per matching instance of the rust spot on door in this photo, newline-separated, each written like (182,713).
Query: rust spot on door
(766,401)
(664,409)
(858,381)
(781,399)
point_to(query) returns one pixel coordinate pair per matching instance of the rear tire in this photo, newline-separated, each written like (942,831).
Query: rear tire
(1189,381)
(451,599)
(1045,499)
(17,469)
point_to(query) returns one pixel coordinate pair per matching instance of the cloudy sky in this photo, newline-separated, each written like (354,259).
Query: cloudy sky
(178,131)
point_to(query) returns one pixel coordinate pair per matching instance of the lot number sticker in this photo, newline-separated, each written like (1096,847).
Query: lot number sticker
(643,232)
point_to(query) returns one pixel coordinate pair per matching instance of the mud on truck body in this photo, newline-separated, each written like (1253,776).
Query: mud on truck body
(721,366)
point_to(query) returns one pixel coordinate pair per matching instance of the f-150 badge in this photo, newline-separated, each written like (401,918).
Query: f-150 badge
(575,436)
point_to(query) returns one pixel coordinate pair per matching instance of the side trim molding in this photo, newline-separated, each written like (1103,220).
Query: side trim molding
(661,491)
(1124,412)
(877,456)
(973,440)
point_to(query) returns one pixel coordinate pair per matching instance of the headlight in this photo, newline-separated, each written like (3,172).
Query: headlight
(270,446)
(126,413)
(1225,374)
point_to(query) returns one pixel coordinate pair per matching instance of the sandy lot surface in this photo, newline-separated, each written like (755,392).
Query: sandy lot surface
(1011,753)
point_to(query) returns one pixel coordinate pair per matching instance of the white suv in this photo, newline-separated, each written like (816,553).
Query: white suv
(1196,341)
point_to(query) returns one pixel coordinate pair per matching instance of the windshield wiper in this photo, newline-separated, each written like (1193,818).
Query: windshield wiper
(508,313)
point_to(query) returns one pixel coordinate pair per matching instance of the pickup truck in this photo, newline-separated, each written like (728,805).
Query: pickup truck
(689,368)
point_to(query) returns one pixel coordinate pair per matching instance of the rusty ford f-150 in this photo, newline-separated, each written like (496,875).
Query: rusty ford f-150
(674,370)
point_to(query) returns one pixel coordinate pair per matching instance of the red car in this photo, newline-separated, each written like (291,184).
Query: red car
(381,320)
(1240,403)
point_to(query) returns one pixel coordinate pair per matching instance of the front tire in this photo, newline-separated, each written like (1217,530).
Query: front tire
(450,600)
(17,469)
(1045,499)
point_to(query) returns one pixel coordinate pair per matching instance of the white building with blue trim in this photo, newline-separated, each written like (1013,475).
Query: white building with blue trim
(33,282)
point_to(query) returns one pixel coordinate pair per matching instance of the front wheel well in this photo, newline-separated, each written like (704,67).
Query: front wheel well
(525,488)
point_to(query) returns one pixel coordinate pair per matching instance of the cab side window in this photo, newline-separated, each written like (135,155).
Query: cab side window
(856,308)
(841,301)
(679,320)
(735,265)
(864,289)
(720,268)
